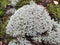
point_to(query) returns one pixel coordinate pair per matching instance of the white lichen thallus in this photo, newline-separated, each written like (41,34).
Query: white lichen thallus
(32,20)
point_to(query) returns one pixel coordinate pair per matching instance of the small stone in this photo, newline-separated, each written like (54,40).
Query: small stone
(1,43)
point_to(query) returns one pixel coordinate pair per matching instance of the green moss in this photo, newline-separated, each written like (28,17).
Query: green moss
(24,2)
(2,12)
(21,3)
(58,12)
(54,9)
(4,3)
(9,39)
(2,28)
(3,31)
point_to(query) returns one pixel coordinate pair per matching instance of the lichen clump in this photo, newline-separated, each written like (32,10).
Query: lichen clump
(14,2)
(33,20)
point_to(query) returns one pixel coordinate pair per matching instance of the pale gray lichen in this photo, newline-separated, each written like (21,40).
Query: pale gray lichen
(21,41)
(14,2)
(53,36)
(33,20)
(10,11)
(30,19)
